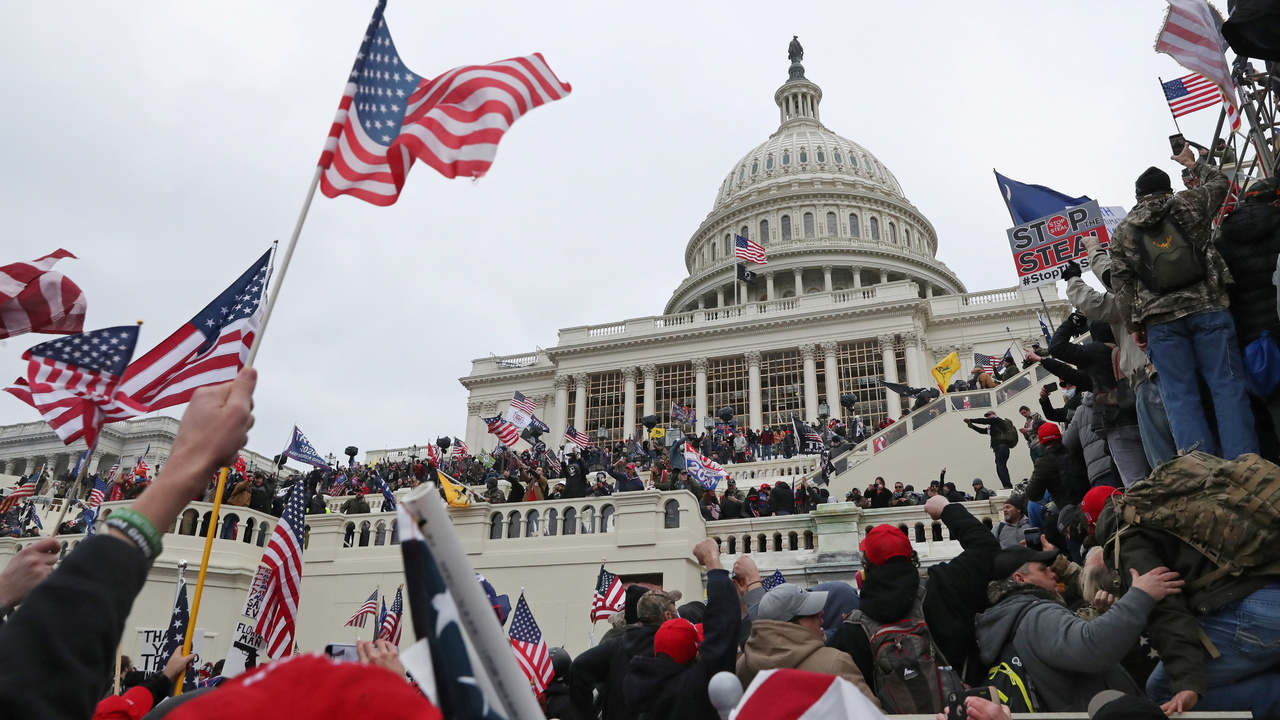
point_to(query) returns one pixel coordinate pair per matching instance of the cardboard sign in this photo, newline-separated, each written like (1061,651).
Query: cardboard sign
(149,655)
(1043,246)
(257,591)
(248,650)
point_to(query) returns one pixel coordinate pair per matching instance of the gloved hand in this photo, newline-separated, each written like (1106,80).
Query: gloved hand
(1072,270)
(1079,321)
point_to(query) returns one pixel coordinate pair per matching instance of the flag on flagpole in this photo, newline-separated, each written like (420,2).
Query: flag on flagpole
(433,453)
(98,493)
(278,619)
(1190,93)
(988,363)
(454,494)
(507,433)
(301,449)
(530,648)
(743,273)
(140,466)
(678,413)
(1192,35)
(773,580)
(609,598)
(389,630)
(73,381)
(367,610)
(945,369)
(524,404)
(536,424)
(703,469)
(20,491)
(460,449)
(808,440)
(577,437)
(34,299)
(749,251)
(1030,202)
(176,634)
(33,518)
(1044,328)
(388,499)
(210,349)
(389,117)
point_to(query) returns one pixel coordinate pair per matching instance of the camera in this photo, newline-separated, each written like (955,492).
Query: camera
(956,709)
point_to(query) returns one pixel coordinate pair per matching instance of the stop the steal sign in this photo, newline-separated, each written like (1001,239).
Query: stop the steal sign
(1041,247)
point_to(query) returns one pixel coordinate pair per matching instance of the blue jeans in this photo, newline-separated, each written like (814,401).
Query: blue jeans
(1002,466)
(1246,676)
(1153,423)
(1203,344)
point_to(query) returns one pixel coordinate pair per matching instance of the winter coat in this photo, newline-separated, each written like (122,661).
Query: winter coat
(1250,243)
(774,644)
(782,498)
(1100,361)
(576,484)
(955,593)
(981,380)
(1102,306)
(1057,473)
(730,507)
(242,494)
(1080,437)
(1011,535)
(1068,659)
(607,664)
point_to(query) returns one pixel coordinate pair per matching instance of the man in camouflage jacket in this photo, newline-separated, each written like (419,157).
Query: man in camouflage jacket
(1188,331)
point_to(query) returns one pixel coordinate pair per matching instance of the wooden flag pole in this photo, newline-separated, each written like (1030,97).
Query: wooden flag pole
(204,569)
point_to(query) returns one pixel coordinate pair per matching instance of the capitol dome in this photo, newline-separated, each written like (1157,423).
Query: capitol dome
(827,211)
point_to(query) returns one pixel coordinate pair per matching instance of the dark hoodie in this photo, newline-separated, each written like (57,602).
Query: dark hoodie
(660,689)
(1069,660)
(607,664)
(956,592)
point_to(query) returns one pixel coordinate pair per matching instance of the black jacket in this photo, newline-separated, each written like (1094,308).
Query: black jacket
(781,498)
(58,648)
(661,689)
(1096,359)
(955,593)
(730,507)
(1249,243)
(606,664)
(1060,473)
(576,484)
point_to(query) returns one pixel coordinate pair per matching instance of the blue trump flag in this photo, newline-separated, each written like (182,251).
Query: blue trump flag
(300,449)
(1030,202)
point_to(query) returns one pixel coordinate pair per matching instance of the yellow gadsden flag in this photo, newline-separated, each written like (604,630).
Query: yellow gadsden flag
(943,371)
(454,494)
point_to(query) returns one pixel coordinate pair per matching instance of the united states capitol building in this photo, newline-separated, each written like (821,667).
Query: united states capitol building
(852,293)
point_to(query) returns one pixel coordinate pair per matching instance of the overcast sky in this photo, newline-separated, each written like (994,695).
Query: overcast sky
(168,144)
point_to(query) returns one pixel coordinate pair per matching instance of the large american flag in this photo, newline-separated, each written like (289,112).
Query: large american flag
(1192,35)
(989,363)
(531,649)
(506,432)
(609,598)
(577,437)
(98,493)
(391,622)
(279,617)
(747,250)
(22,490)
(33,298)
(389,117)
(1190,93)
(367,610)
(211,348)
(73,381)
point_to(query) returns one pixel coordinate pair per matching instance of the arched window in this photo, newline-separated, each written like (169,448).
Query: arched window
(746,543)
(365,527)
(836,154)
(867,162)
(893,233)
(808,225)
(755,166)
(248,529)
(570,521)
(793,541)
(380,533)
(531,524)
(786,157)
(937,532)
(745,231)
(189,520)
(906,237)
(588,520)
(606,518)
(762,543)
(768,163)
(777,542)
(553,519)
(230,524)
(833,226)
(764,232)
(822,157)
(495,526)
(875,229)
(714,250)
(728,245)
(671,514)
(853,225)
(742,174)
(733,544)
(786,227)
(204,525)
(513,524)
(264,531)
(804,155)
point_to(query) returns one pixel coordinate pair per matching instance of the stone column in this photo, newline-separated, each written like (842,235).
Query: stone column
(699,390)
(650,388)
(628,403)
(884,276)
(928,290)
(755,407)
(475,426)
(719,297)
(832,370)
(915,373)
(810,383)
(890,375)
(95,462)
(799,276)
(768,286)
(62,462)
(4,466)
(857,277)
(30,467)
(966,360)
(489,408)
(826,277)
(702,303)
(561,418)
(580,402)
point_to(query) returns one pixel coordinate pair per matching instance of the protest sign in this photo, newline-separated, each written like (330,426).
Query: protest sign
(1043,246)
(149,656)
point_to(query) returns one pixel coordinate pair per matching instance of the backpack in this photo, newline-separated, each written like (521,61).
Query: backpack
(911,675)
(1169,259)
(1009,676)
(1007,434)
(1228,510)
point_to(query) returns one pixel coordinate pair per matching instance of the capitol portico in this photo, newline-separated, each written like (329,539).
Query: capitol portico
(852,293)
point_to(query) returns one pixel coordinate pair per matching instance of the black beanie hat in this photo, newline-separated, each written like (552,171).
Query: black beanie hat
(1152,180)
(634,593)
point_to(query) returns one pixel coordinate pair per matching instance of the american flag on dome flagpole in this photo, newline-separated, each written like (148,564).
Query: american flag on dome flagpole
(209,349)
(278,620)
(577,437)
(389,117)
(34,299)
(1192,35)
(73,381)
(507,433)
(609,597)
(531,648)
(391,625)
(367,610)
(749,251)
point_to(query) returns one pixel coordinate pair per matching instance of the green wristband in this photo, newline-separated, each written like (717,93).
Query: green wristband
(139,529)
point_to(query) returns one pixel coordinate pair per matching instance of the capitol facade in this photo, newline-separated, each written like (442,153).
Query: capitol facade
(852,293)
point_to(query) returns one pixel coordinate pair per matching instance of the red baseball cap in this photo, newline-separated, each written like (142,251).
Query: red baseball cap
(130,706)
(1049,432)
(884,542)
(1095,500)
(678,639)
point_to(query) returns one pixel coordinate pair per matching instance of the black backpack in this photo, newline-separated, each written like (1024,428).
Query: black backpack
(1170,260)
(1009,676)
(1006,432)
(911,675)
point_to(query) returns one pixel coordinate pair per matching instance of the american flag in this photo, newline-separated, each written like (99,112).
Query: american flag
(389,117)
(211,348)
(389,500)
(1190,93)
(21,490)
(553,463)
(988,363)
(577,437)
(176,634)
(749,251)
(277,622)
(703,469)
(1192,35)
(433,454)
(530,648)
(367,610)
(460,449)
(525,404)
(98,493)
(33,298)
(391,622)
(609,598)
(773,580)
(115,468)
(507,433)
(73,381)
(808,695)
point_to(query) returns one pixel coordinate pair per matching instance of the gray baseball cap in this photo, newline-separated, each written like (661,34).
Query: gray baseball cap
(788,601)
